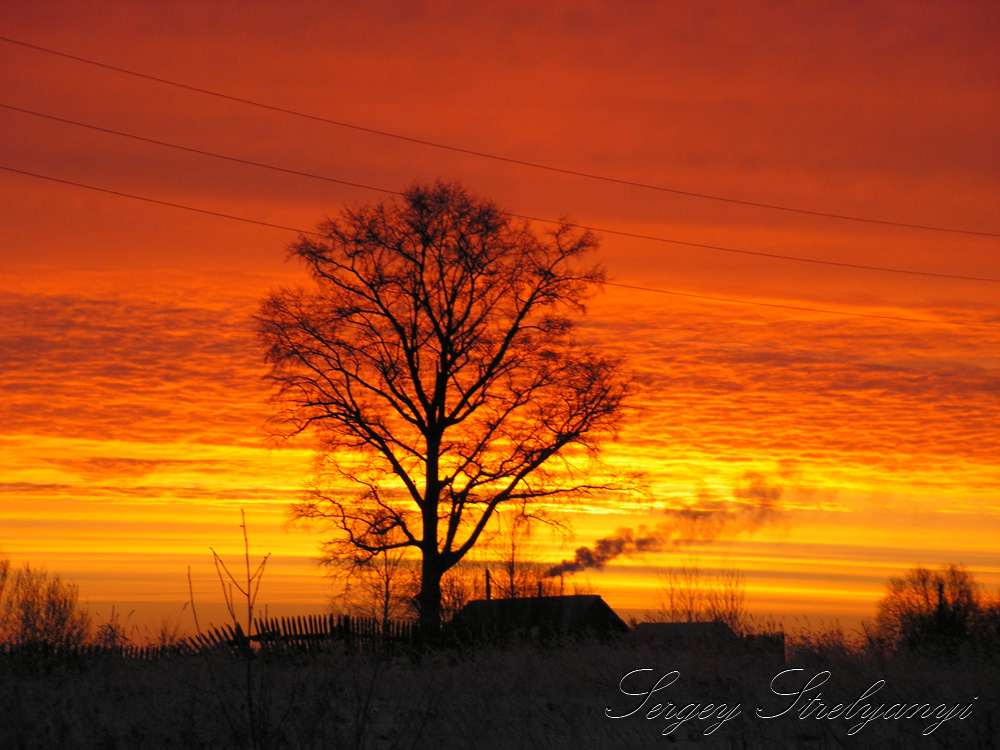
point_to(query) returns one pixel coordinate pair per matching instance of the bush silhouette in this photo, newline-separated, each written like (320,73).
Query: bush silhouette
(935,608)
(36,608)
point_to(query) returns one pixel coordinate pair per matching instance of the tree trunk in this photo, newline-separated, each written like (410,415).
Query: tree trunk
(429,598)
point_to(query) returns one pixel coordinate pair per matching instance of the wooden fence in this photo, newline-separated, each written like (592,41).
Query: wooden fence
(312,633)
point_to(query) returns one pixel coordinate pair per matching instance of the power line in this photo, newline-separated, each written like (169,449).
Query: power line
(602,230)
(495,157)
(198,151)
(158,202)
(246,220)
(759,254)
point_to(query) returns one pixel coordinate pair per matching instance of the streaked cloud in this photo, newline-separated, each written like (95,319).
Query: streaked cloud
(132,401)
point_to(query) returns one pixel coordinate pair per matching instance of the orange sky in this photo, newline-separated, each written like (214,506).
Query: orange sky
(132,407)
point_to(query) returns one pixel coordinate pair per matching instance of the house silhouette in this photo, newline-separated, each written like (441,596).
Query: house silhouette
(537,616)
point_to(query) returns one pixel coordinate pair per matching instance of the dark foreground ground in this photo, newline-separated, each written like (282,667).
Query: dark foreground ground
(521,696)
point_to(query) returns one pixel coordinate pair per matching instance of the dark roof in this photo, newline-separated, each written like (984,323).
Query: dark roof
(551,614)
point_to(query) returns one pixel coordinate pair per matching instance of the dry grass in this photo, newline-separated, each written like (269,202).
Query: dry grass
(520,696)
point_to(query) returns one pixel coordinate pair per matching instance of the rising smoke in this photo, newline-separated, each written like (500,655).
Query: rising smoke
(754,504)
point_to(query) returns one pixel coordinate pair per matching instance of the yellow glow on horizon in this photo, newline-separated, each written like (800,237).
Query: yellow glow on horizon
(133,412)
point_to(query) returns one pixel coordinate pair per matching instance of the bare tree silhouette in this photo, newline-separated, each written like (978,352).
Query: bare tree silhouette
(434,362)
(381,587)
(689,594)
(929,607)
(516,570)
(39,608)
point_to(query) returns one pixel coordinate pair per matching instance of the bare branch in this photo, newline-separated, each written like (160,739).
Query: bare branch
(434,360)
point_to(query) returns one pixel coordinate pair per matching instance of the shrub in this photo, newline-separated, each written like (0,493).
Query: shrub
(935,608)
(36,608)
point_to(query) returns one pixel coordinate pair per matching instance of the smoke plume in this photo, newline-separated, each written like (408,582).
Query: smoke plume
(754,504)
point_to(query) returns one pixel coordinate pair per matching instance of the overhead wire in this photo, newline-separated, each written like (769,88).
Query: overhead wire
(602,230)
(283,227)
(492,156)
(157,201)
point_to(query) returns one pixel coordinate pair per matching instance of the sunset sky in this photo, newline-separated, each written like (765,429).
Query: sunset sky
(132,417)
